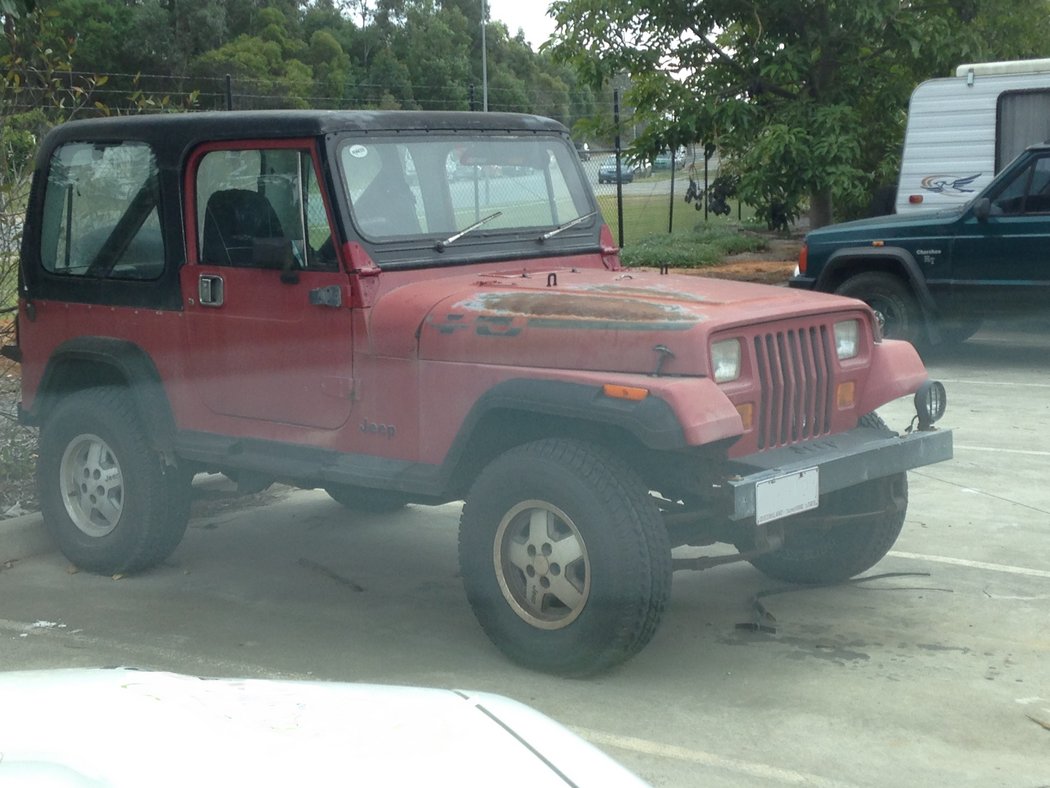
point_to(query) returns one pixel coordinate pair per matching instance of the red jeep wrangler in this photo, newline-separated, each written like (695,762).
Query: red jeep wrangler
(427,307)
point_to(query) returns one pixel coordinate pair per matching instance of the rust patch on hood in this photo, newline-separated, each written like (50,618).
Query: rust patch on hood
(648,292)
(580,306)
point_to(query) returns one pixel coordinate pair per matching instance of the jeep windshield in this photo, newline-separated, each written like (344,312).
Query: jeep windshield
(495,196)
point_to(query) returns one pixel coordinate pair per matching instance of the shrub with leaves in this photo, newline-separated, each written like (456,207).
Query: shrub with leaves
(697,249)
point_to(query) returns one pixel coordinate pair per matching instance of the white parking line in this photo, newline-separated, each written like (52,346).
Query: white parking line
(1028,452)
(942,559)
(1011,384)
(753,770)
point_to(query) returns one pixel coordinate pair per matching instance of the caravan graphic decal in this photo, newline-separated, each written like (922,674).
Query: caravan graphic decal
(949,184)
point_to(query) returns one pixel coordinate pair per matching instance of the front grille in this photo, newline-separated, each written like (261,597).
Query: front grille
(795,376)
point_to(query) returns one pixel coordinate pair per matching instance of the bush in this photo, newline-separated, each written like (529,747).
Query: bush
(697,249)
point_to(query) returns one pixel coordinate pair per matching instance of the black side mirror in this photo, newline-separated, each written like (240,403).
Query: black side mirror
(982,209)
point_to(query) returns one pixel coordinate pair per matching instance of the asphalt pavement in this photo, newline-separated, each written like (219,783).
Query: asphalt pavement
(935,675)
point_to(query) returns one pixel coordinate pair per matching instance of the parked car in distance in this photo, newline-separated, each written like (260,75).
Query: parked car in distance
(607,171)
(933,276)
(664,160)
(629,169)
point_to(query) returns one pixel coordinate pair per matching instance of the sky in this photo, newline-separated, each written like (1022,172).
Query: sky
(529,15)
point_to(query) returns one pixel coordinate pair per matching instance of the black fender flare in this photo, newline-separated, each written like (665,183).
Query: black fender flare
(130,363)
(886,257)
(651,420)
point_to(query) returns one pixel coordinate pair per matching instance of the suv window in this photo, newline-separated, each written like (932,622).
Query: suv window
(441,186)
(101,214)
(246,196)
(1028,192)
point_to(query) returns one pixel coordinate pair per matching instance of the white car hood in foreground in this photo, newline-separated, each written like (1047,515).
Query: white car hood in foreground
(137,728)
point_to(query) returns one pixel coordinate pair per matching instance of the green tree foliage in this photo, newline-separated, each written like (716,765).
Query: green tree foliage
(804,97)
(407,54)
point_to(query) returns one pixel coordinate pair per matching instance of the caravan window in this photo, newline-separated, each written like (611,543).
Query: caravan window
(1023,119)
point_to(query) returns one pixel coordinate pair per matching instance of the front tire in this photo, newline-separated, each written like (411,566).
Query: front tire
(108,499)
(564,557)
(893,302)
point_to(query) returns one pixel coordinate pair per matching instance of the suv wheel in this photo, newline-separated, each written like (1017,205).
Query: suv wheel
(895,306)
(109,501)
(564,556)
(873,515)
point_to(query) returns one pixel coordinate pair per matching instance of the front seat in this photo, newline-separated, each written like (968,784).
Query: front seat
(233,220)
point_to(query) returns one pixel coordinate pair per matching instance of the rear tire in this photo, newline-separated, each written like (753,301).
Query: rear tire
(564,557)
(893,302)
(108,499)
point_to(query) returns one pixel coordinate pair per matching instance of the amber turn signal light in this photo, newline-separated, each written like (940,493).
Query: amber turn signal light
(632,393)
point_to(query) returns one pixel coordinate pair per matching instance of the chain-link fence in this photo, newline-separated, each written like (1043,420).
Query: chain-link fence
(672,192)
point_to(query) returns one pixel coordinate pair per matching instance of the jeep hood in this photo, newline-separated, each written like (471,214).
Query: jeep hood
(578,319)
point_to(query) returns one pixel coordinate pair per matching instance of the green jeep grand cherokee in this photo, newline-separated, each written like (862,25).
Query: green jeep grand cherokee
(932,277)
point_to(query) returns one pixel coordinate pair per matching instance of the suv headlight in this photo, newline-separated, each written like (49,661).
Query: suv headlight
(725,360)
(847,339)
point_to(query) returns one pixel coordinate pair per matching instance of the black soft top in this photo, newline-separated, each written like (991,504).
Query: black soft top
(178,131)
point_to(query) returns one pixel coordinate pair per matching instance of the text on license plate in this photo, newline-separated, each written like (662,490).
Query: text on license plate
(788,494)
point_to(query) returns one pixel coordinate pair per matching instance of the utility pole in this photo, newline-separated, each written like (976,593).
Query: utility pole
(484,59)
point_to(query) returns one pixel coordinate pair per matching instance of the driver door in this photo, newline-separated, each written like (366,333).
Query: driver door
(1000,263)
(268,306)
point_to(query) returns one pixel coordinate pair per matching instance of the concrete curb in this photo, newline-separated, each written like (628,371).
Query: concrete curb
(24,537)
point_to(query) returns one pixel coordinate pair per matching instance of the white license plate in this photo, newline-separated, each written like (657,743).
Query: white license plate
(788,494)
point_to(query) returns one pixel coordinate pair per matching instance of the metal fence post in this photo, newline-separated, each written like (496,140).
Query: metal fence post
(670,203)
(619,171)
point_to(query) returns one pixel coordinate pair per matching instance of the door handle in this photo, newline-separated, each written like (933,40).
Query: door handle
(211,290)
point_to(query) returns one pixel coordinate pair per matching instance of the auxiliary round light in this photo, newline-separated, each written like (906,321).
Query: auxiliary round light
(931,400)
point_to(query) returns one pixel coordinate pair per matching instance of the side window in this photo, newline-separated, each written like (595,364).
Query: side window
(1027,193)
(1038,200)
(256,206)
(101,215)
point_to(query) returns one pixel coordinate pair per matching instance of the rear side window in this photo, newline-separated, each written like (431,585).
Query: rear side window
(101,212)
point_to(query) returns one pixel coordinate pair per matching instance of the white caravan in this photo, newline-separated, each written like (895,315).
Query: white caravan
(962,130)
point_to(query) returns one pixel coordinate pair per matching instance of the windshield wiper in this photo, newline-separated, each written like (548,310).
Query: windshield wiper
(440,245)
(571,223)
